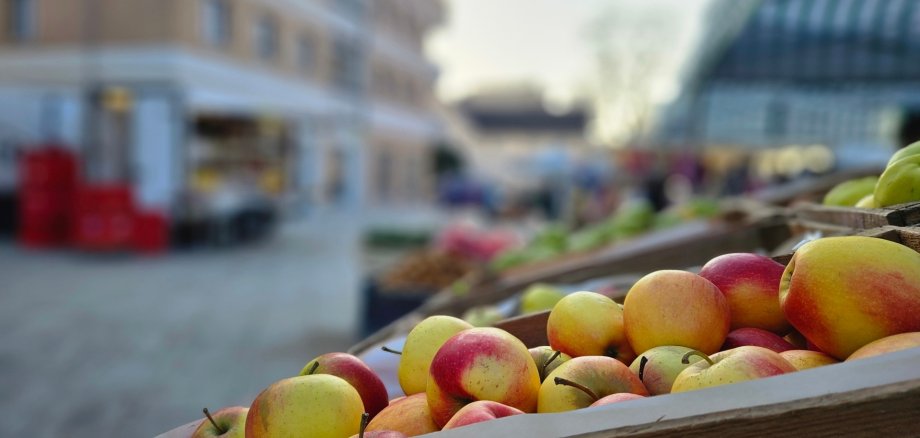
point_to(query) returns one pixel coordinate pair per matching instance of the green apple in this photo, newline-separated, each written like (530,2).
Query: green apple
(730,366)
(317,406)
(483,316)
(225,423)
(422,342)
(540,297)
(658,367)
(848,193)
(899,183)
(546,359)
(912,149)
(867,201)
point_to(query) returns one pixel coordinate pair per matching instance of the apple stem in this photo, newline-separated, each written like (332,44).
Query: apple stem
(642,362)
(686,359)
(547,362)
(567,382)
(365,418)
(313,368)
(214,423)
(390,350)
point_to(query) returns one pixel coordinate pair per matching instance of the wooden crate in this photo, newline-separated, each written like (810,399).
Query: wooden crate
(858,218)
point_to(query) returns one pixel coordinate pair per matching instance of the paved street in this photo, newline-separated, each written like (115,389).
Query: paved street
(126,346)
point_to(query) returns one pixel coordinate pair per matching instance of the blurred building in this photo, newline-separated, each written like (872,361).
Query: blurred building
(839,73)
(302,102)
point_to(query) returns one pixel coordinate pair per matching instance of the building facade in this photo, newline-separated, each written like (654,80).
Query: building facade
(307,101)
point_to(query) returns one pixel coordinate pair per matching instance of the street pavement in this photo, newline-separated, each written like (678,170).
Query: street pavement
(129,346)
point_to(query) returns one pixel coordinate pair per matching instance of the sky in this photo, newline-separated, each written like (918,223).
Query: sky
(553,44)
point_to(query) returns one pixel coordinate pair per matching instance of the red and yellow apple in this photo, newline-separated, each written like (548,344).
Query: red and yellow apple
(585,380)
(408,415)
(318,406)
(731,366)
(481,364)
(658,367)
(422,342)
(757,337)
(750,283)
(588,324)
(616,398)
(228,422)
(901,341)
(676,308)
(356,373)
(805,359)
(479,411)
(842,293)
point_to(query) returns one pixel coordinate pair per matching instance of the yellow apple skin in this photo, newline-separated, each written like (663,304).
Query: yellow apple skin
(409,415)
(542,354)
(901,341)
(662,367)
(603,375)
(318,406)
(481,364)
(676,308)
(588,324)
(848,193)
(805,359)
(912,149)
(749,283)
(422,342)
(899,183)
(732,366)
(842,293)
(231,419)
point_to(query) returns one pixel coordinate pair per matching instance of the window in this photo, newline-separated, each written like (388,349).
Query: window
(21,16)
(216,23)
(346,65)
(266,38)
(306,55)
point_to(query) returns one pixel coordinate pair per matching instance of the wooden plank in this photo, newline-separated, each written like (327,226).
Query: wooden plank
(859,218)
(530,329)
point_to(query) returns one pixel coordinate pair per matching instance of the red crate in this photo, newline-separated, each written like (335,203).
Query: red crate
(151,232)
(104,217)
(45,217)
(49,167)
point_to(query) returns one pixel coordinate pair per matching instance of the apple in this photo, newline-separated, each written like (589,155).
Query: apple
(408,415)
(911,149)
(483,363)
(540,297)
(901,341)
(658,367)
(228,422)
(479,411)
(676,308)
(867,201)
(844,292)
(583,381)
(422,342)
(899,183)
(317,405)
(588,324)
(356,373)
(730,366)
(805,359)
(483,316)
(363,433)
(616,398)
(848,193)
(546,359)
(757,337)
(750,283)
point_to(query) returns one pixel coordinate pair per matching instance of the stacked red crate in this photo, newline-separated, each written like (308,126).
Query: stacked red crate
(104,217)
(49,176)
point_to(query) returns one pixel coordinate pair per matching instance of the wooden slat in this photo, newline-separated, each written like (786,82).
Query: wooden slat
(860,218)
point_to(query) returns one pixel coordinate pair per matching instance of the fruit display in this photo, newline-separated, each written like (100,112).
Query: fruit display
(841,300)
(899,183)
(426,270)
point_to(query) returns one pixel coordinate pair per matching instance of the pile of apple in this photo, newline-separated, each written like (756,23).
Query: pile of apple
(898,184)
(743,317)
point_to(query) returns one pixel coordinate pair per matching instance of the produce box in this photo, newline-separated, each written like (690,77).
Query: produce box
(859,218)
(868,397)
